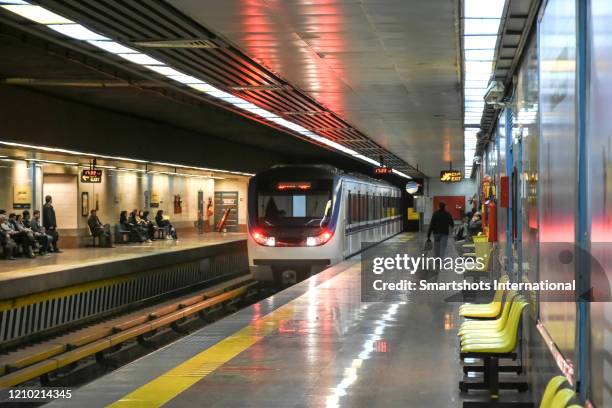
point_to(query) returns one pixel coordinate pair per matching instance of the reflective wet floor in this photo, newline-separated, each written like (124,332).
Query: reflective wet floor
(315,344)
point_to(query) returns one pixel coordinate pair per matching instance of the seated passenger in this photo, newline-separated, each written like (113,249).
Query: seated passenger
(7,243)
(164,222)
(149,224)
(139,224)
(127,225)
(43,240)
(475,226)
(462,235)
(100,230)
(20,237)
(36,227)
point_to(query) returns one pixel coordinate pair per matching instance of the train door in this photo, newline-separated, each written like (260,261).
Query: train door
(227,201)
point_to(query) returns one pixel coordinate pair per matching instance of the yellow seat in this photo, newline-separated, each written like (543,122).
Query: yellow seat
(496,324)
(562,398)
(551,389)
(504,344)
(487,310)
(484,336)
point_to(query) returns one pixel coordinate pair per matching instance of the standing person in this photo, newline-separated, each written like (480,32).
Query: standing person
(50,223)
(98,229)
(440,225)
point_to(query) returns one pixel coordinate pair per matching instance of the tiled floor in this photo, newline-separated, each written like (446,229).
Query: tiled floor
(315,344)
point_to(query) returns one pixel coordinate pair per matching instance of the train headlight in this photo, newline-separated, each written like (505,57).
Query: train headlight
(320,239)
(262,239)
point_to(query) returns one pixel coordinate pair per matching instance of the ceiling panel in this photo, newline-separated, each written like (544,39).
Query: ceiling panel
(389,67)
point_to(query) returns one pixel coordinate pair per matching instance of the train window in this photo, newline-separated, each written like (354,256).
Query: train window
(289,207)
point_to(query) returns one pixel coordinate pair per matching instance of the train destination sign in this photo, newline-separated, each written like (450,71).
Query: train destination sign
(91,176)
(383,170)
(450,176)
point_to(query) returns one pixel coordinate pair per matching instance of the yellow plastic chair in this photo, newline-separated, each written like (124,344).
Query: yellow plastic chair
(486,310)
(551,390)
(494,336)
(503,344)
(496,324)
(562,398)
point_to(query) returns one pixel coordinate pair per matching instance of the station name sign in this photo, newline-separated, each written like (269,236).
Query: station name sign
(383,170)
(91,176)
(450,176)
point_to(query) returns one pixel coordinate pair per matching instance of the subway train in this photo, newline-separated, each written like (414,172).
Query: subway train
(303,218)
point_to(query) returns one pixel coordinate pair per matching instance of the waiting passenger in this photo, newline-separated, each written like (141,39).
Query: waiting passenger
(8,244)
(139,224)
(50,222)
(476,224)
(100,230)
(127,225)
(39,230)
(462,235)
(149,224)
(20,237)
(43,240)
(164,222)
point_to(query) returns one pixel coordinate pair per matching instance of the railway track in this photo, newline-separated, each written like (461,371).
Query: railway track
(60,355)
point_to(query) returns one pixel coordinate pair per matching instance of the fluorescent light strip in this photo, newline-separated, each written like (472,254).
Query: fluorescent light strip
(79,32)
(117,158)
(37,14)
(113,47)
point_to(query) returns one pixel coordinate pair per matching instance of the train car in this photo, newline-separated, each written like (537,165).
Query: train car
(303,218)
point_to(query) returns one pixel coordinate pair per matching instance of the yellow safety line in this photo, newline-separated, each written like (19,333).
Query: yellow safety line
(173,382)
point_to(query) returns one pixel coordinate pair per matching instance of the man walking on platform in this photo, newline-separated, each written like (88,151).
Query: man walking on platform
(441,225)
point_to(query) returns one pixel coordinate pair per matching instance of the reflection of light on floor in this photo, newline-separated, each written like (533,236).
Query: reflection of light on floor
(373,343)
(449,323)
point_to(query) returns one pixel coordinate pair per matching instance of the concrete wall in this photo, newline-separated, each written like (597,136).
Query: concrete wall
(119,190)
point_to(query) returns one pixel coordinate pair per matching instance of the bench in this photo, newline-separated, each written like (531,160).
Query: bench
(122,236)
(490,341)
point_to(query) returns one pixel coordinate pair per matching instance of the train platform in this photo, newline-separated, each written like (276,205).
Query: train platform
(314,344)
(80,265)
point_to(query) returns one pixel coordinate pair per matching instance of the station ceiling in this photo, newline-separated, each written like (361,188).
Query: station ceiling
(380,77)
(389,67)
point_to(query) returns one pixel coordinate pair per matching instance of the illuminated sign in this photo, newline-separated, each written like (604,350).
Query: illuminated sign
(450,176)
(91,176)
(294,185)
(383,170)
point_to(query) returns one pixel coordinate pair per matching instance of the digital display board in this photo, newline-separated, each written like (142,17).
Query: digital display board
(450,176)
(383,170)
(91,176)
(294,185)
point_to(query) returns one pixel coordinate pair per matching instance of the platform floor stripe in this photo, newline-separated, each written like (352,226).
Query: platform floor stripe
(170,384)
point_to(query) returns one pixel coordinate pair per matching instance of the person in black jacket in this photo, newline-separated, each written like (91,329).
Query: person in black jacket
(50,223)
(441,225)
(98,229)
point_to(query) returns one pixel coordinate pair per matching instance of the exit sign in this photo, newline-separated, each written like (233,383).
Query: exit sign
(383,170)
(91,176)
(450,176)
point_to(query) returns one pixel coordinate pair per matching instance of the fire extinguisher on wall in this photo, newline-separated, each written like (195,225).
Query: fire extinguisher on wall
(492,221)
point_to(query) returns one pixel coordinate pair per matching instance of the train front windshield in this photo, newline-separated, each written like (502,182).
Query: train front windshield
(294,204)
